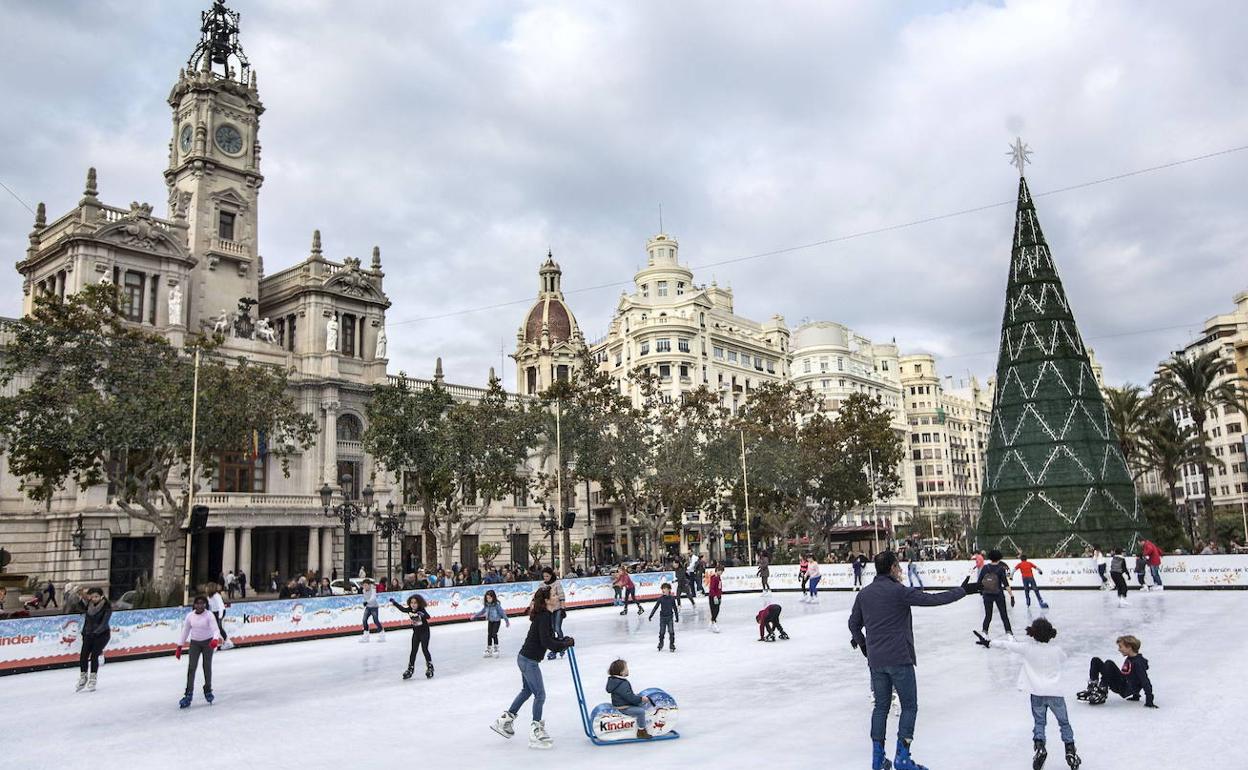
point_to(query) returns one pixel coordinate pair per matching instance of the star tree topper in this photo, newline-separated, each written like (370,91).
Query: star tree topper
(1019,154)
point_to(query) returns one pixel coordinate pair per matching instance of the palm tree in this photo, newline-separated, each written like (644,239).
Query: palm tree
(1128,414)
(1166,447)
(1200,385)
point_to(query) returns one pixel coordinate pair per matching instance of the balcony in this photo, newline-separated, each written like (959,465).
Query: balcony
(240,500)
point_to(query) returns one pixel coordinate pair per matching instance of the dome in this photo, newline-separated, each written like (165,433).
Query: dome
(558,319)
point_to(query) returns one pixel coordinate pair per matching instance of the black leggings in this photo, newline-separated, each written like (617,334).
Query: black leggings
(630,595)
(491,635)
(199,649)
(92,649)
(771,624)
(420,640)
(685,590)
(1107,673)
(999,601)
(221,625)
(763,576)
(804,580)
(715,609)
(1120,583)
(857,577)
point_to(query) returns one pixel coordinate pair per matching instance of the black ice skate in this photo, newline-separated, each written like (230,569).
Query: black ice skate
(1037,760)
(408,673)
(1083,694)
(1072,757)
(428,671)
(783,635)
(771,637)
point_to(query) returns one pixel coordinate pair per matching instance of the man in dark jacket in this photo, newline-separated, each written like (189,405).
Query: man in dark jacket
(883,610)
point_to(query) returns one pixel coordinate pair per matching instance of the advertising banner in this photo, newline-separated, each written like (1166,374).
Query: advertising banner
(54,640)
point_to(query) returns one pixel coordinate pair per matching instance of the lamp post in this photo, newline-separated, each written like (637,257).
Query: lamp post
(550,525)
(388,524)
(77,537)
(347,511)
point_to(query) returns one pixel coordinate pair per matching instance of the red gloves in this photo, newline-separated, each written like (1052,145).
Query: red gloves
(215,643)
(177,652)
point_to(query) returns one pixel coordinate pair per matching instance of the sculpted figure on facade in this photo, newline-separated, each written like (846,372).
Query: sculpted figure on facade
(222,324)
(381,342)
(264,331)
(331,335)
(175,305)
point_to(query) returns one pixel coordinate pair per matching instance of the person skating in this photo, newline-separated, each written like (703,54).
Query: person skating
(556,618)
(716,597)
(200,630)
(764,571)
(1040,676)
(624,699)
(541,638)
(882,611)
(802,575)
(494,614)
(1141,566)
(699,575)
(371,609)
(683,584)
(95,635)
(813,577)
(859,564)
(417,613)
(994,580)
(216,605)
(1118,573)
(1128,681)
(1027,570)
(1153,554)
(768,619)
(625,581)
(912,566)
(1101,564)
(669,614)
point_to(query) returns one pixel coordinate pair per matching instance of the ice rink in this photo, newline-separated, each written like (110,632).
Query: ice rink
(337,703)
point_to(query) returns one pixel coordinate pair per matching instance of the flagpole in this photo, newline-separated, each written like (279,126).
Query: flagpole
(875,514)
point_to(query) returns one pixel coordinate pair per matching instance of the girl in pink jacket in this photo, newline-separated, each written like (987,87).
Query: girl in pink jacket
(200,628)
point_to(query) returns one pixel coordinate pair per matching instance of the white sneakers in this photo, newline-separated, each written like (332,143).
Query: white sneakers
(538,739)
(503,725)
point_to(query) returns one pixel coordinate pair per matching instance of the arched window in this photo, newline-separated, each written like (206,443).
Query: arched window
(349,428)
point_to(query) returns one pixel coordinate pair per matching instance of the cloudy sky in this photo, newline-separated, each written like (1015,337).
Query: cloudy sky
(465,138)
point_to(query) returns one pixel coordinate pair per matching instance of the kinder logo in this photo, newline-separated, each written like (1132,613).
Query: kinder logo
(611,725)
(19,639)
(257,618)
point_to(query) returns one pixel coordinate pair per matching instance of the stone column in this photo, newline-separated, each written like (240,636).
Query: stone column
(228,563)
(244,553)
(314,549)
(283,553)
(270,556)
(329,435)
(201,558)
(327,551)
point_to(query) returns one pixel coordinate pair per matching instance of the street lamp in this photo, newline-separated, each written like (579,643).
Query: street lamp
(550,525)
(77,537)
(347,511)
(387,525)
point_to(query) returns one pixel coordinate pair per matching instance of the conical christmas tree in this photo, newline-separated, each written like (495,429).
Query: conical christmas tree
(1055,480)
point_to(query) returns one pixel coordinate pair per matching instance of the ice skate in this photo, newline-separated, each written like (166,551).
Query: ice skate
(489,652)
(82,681)
(1098,695)
(1122,602)
(639,610)
(902,759)
(1072,757)
(1037,759)
(771,637)
(504,725)
(538,739)
(550,656)
(660,646)
(496,653)
(364,638)
(208,696)
(408,673)
(91,682)
(185,702)
(1043,606)
(714,628)
(624,611)
(783,635)
(428,671)
(381,635)
(672,647)
(879,760)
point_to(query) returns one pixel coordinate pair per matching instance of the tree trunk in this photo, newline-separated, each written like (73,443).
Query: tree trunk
(1204,474)
(171,543)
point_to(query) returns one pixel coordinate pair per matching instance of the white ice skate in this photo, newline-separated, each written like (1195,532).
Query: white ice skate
(364,638)
(381,635)
(91,683)
(1122,603)
(504,725)
(489,652)
(538,739)
(496,650)
(714,628)
(82,681)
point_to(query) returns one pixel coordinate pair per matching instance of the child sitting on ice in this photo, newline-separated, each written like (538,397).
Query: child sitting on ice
(1041,676)
(624,699)
(1128,681)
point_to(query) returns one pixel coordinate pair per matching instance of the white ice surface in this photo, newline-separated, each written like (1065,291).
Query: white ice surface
(336,703)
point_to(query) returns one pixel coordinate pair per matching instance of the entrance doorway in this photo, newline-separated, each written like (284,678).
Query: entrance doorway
(130,560)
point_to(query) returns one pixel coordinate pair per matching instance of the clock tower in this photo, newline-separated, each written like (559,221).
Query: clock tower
(214,167)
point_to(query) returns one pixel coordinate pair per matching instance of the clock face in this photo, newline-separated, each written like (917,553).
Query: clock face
(185,139)
(228,139)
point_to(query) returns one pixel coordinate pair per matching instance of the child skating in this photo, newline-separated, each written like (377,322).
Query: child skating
(769,623)
(371,610)
(716,597)
(624,699)
(1128,681)
(200,629)
(1118,573)
(994,580)
(1028,569)
(802,575)
(494,614)
(96,631)
(625,581)
(416,612)
(1041,676)
(668,616)
(812,581)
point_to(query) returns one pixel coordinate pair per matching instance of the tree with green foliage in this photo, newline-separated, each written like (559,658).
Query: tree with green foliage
(1130,414)
(1201,384)
(1164,523)
(840,452)
(99,400)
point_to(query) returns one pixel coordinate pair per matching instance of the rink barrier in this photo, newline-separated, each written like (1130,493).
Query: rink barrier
(53,641)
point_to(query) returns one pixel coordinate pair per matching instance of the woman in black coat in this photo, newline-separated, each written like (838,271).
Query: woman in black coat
(95,635)
(540,639)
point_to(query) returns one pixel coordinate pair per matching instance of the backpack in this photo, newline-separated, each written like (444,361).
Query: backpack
(990,583)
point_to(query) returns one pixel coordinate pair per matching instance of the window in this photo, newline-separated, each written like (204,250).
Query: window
(562,373)
(349,428)
(682,345)
(823,363)
(918,455)
(684,371)
(918,369)
(151,301)
(225,225)
(806,365)
(918,470)
(825,384)
(771,365)
(520,499)
(1233,427)
(840,364)
(348,334)
(719,352)
(758,363)
(663,346)
(619,358)
(645,292)
(132,296)
(644,349)
(239,472)
(732,356)
(680,288)
(884,365)
(665,371)
(662,288)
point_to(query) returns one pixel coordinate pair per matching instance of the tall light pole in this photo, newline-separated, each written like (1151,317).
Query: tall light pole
(347,511)
(388,525)
(558,485)
(190,481)
(745,488)
(875,514)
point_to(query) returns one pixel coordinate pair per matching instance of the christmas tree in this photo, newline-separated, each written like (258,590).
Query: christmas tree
(1055,481)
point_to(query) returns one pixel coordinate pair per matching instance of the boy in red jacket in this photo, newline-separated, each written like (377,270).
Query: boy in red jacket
(716,597)
(1028,569)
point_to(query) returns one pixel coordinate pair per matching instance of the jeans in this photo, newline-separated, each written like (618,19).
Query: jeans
(1056,704)
(667,625)
(198,649)
(997,600)
(1139,576)
(857,577)
(375,614)
(530,685)
(912,574)
(1100,570)
(1029,585)
(636,712)
(556,623)
(883,682)
(92,649)
(1156,571)
(814,586)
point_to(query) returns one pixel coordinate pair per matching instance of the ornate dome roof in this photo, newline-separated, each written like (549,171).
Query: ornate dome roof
(555,314)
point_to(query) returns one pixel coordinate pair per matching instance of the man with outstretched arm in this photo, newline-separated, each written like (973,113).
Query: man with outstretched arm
(882,609)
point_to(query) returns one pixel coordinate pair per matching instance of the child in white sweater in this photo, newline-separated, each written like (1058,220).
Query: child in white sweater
(1041,675)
